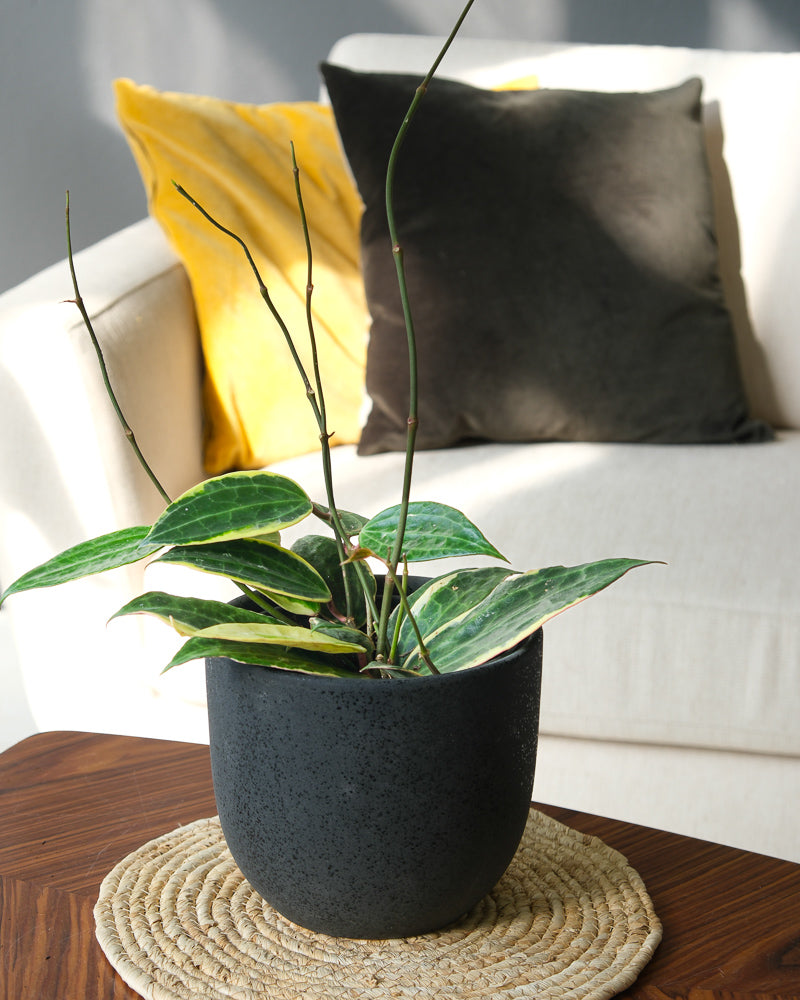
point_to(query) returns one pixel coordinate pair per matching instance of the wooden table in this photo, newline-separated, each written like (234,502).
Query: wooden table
(73,804)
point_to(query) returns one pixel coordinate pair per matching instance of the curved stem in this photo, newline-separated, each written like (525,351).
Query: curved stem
(424,653)
(315,396)
(264,293)
(324,436)
(78,301)
(397,250)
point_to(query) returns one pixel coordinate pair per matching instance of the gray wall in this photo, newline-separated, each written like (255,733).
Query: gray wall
(58,58)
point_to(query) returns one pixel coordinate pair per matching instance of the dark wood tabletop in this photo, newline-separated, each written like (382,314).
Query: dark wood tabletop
(73,804)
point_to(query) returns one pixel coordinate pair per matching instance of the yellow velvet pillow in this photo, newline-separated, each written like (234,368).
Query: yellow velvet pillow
(235,160)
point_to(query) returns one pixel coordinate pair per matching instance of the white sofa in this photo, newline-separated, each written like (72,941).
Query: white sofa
(674,698)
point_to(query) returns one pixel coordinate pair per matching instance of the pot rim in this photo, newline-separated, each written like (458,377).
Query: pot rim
(405,682)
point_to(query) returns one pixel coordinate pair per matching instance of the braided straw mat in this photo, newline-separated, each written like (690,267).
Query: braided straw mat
(570,918)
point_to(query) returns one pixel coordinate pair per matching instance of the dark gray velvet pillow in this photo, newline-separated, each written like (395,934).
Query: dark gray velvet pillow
(561,262)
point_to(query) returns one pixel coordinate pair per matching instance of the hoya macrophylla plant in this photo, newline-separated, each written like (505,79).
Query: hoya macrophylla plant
(317,606)
(303,616)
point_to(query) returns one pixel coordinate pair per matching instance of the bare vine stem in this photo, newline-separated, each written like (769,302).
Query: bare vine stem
(424,654)
(313,394)
(314,391)
(413,415)
(324,437)
(258,599)
(78,301)
(264,293)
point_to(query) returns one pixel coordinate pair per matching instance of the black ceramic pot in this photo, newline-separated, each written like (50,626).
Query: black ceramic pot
(374,808)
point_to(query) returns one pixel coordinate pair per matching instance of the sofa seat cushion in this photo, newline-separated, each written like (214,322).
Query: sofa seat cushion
(704,651)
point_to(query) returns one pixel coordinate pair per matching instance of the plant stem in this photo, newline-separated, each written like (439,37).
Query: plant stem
(309,291)
(324,436)
(397,250)
(265,604)
(264,293)
(424,654)
(78,301)
(315,396)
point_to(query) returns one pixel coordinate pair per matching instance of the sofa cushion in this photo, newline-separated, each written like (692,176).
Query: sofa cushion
(701,652)
(235,160)
(561,262)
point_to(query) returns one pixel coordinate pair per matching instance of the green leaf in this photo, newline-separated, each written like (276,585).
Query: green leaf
(270,536)
(352,523)
(389,670)
(294,605)
(119,548)
(345,633)
(445,599)
(291,636)
(514,609)
(261,565)
(259,654)
(236,505)
(433,531)
(321,552)
(189,612)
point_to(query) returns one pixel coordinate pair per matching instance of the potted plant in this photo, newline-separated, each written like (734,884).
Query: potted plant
(373,738)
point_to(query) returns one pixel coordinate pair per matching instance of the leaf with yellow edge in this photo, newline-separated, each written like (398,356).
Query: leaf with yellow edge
(464,634)
(236,505)
(258,654)
(119,548)
(257,564)
(291,636)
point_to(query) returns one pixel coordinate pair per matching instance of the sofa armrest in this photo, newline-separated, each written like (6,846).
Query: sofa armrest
(68,469)
(68,472)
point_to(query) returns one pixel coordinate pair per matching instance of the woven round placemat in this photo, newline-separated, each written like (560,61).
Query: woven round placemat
(570,918)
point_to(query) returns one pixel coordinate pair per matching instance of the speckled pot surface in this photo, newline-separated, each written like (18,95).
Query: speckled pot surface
(374,808)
